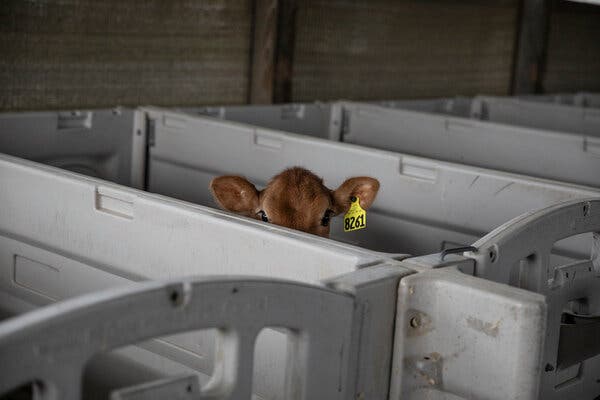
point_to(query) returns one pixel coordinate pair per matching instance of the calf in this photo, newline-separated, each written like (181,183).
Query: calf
(296,198)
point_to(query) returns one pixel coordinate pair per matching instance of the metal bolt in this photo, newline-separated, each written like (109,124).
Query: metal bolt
(415,322)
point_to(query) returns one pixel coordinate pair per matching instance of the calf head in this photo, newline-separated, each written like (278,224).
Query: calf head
(296,198)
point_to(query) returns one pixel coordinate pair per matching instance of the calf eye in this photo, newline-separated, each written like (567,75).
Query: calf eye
(326,218)
(263,216)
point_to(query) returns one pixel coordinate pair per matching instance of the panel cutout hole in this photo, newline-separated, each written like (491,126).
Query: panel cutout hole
(29,391)
(571,249)
(522,274)
(271,352)
(188,359)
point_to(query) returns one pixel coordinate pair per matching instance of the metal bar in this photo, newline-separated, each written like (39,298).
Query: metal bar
(52,345)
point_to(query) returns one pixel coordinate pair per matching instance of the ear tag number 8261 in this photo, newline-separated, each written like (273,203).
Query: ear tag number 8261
(356,217)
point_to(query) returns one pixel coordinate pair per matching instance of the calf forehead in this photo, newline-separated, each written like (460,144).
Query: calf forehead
(292,200)
(296,185)
(296,197)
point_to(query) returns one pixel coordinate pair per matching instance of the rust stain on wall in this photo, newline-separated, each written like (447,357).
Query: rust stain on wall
(489,328)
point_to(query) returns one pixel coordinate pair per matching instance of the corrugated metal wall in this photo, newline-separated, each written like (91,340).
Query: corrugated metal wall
(382,49)
(89,53)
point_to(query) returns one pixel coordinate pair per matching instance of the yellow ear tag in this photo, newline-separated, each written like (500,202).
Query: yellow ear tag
(356,217)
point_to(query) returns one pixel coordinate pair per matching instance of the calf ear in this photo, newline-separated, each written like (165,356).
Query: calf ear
(363,187)
(235,194)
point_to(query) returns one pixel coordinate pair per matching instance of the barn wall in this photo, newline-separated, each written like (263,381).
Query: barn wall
(394,49)
(88,53)
(573,59)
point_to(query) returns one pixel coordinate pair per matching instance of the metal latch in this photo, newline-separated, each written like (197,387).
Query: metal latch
(457,250)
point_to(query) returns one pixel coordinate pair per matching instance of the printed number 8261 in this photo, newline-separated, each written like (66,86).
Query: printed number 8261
(352,223)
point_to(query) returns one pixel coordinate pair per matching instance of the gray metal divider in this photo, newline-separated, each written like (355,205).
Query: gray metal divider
(571,342)
(51,346)
(62,235)
(580,99)
(524,136)
(526,112)
(108,144)
(553,155)
(322,120)
(527,322)
(537,115)
(81,219)
(447,204)
(462,337)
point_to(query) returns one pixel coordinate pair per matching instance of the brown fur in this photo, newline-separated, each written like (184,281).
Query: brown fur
(296,198)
